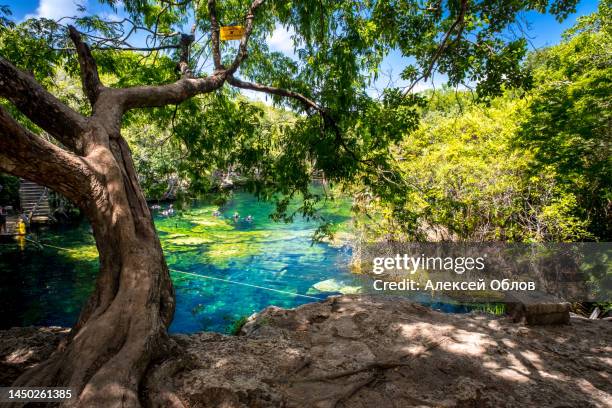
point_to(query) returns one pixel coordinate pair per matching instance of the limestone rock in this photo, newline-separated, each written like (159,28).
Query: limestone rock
(537,308)
(364,351)
(23,347)
(332,285)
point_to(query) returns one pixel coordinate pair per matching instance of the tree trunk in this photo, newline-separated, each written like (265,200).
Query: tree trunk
(122,329)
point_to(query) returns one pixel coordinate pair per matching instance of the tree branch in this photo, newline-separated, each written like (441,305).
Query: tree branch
(308,103)
(443,44)
(248,28)
(187,87)
(146,49)
(126,48)
(171,94)
(328,120)
(183,65)
(214,38)
(89,70)
(40,106)
(24,154)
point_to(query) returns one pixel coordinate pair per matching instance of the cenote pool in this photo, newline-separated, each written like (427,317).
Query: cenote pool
(48,285)
(222,270)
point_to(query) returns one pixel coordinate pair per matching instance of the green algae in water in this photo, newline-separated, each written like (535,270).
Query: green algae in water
(261,253)
(54,282)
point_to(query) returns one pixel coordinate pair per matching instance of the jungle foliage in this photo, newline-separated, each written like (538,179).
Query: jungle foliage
(9,191)
(532,165)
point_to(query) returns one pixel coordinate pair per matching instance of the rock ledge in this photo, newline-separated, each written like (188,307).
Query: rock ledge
(361,351)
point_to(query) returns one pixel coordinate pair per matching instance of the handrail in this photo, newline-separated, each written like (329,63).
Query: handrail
(33,210)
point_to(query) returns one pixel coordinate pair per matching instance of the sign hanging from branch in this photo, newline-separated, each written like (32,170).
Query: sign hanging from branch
(231,33)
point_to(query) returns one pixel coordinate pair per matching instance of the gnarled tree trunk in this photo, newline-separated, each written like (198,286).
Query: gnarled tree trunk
(123,326)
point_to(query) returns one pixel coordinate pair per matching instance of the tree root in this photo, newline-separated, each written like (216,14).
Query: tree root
(355,389)
(159,389)
(378,368)
(375,365)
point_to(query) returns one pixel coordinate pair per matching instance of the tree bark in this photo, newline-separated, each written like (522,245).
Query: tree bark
(122,329)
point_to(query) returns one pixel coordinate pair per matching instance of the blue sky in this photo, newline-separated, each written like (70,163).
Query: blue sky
(543,31)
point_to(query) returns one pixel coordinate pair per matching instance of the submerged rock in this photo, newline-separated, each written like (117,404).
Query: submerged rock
(332,285)
(363,351)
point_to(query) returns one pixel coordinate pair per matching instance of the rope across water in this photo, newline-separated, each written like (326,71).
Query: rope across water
(245,284)
(197,275)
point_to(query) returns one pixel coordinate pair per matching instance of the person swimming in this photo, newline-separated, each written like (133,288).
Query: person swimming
(169,212)
(236,217)
(249,218)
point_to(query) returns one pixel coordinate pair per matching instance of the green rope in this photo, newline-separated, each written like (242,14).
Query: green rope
(213,278)
(245,284)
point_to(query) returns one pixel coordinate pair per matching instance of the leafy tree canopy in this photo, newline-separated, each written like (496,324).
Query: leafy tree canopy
(531,165)
(568,126)
(341,130)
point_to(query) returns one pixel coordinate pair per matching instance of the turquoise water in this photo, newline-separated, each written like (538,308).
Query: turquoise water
(48,285)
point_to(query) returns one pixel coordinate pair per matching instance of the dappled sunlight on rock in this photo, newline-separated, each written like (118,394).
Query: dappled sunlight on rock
(532,357)
(388,352)
(19,356)
(22,347)
(361,351)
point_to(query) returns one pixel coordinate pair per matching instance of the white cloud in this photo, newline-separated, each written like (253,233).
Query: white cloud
(110,16)
(56,9)
(281,40)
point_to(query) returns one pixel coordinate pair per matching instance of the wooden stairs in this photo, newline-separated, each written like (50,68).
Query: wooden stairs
(35,201)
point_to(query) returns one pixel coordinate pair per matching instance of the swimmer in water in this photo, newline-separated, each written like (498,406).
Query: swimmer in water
(249,218)
(236,216)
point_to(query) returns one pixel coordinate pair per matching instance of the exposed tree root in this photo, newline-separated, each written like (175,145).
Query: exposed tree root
(355,389)
(375,365)
(158,386)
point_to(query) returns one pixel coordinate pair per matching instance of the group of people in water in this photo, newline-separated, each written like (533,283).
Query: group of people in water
(167,212)
(216,213)
(235,217)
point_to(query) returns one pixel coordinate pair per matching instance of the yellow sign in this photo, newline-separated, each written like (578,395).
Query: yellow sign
(232,33)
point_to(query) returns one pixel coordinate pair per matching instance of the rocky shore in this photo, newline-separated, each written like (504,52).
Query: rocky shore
(360,351)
